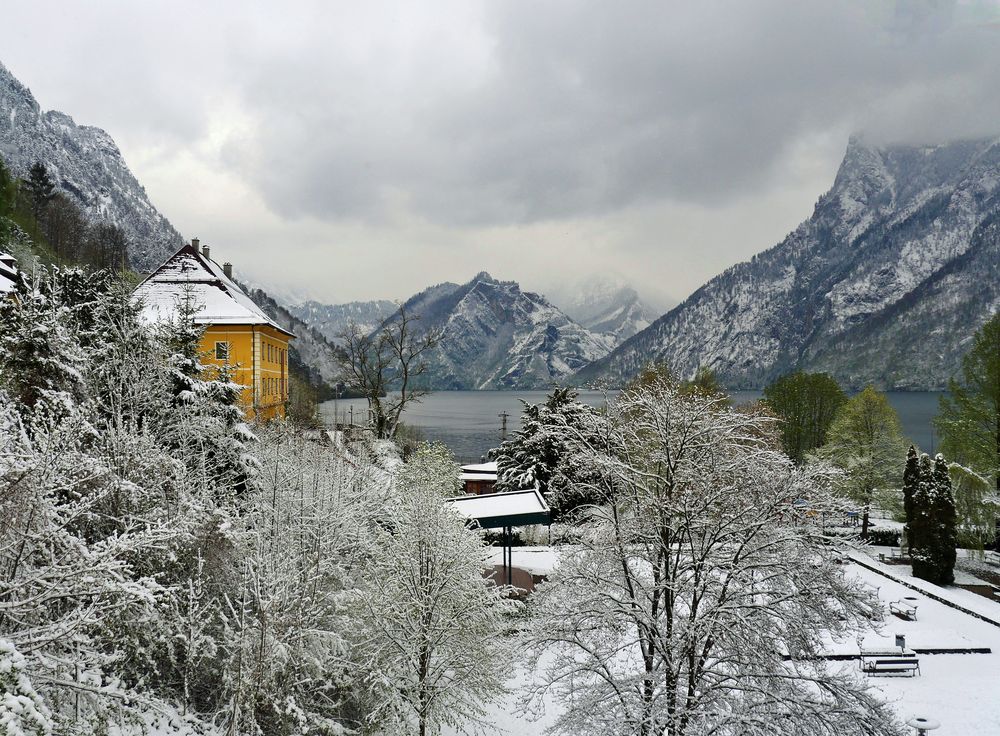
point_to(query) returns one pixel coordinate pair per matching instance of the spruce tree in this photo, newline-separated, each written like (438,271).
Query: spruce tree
(911,477)
(40,188)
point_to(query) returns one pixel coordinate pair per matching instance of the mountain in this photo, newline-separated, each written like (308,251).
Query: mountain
(607,305)
(86,165)
(331,319)
(897,267)
(310,349)
(496,336)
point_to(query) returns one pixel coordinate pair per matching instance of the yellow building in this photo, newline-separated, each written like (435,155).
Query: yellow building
(237,332)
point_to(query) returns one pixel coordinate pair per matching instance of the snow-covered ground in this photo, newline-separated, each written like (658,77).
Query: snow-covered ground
(959,690)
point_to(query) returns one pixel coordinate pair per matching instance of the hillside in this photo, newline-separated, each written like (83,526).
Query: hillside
(897,267)
(331,319)
(86,165)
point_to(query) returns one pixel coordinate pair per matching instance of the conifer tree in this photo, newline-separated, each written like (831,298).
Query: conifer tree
(935,523)
(41,358)
(922,526)
(911,478)
(945,517)
(40,189)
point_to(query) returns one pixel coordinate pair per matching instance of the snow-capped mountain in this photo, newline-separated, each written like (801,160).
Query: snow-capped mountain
(331,319)
(497,336)
(607,305)
(86,165)
(897,267)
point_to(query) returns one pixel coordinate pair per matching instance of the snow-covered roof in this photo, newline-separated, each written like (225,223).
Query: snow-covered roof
(493,510)
(477,476)
(480,468)
(8,273)
(190,273)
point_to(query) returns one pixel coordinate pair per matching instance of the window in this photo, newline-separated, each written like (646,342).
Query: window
(222,351)
(270,353)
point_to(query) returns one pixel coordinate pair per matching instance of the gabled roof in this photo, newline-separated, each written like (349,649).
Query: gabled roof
(190,274)
(8,273)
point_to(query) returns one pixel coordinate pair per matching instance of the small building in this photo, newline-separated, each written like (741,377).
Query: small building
(479,478)
(8,273)
(237,332)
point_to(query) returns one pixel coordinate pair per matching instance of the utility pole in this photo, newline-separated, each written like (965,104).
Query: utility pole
(503,425)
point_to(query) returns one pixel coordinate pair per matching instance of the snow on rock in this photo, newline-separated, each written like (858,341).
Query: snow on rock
(332,319)
(85,165)
(496,336)
(903,250)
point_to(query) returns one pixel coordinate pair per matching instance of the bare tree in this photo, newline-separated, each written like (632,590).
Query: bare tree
(384,362)
(699,598)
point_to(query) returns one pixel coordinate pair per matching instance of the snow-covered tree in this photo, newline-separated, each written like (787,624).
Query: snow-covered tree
(207,420)
(293,662)
(540,454)
(22,712)
(911,480)
(41,358)
(704,587)
(433,622)
(935,523)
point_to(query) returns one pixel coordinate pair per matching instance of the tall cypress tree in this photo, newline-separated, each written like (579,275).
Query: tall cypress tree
(911,477)
(935,524)
(945,517)
(922,525)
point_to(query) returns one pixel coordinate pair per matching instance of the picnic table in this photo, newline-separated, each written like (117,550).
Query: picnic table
(892,660)
(895,553)
(904,610)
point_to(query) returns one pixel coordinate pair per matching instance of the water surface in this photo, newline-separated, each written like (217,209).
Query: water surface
(469,422)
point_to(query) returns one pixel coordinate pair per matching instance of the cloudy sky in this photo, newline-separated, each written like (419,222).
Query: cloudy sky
(368,149)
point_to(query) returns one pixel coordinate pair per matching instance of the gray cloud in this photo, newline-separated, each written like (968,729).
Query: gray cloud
(543,141)
(588,107)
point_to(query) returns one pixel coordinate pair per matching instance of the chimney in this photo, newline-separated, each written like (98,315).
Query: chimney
(227,268)
(194,243)
(204,252)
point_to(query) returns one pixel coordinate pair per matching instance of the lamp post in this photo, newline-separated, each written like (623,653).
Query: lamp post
(922,724)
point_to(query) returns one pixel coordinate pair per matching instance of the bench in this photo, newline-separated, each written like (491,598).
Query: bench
(894,666)
(992,557)
(903,610)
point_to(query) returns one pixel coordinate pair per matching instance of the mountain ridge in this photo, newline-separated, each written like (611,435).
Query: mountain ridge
(895,217)
(85,164)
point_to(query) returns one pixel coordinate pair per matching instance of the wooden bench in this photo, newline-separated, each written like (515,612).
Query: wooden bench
(893,666)
(992,557)
(904,610)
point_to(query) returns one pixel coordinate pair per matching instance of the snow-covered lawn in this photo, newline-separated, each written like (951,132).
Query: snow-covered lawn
(959,690)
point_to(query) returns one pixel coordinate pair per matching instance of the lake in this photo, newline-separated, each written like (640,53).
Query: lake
(469,421)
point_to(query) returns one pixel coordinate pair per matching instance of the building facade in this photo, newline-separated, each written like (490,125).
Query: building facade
(237,333)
